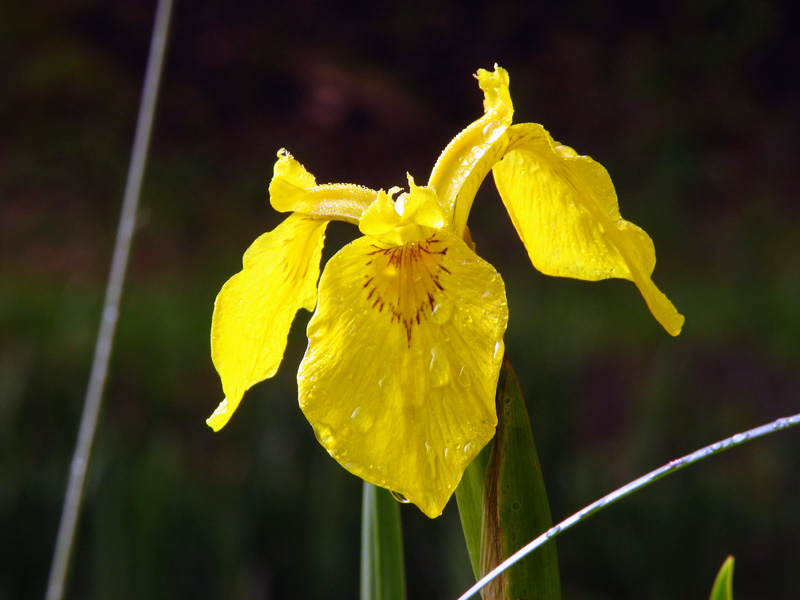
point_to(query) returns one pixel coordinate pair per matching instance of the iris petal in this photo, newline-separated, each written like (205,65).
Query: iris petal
(293,188)
(565,210)
(467,159)
(404,352)
(255,308)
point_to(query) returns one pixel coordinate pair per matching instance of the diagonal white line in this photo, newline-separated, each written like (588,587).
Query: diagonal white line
(108,323)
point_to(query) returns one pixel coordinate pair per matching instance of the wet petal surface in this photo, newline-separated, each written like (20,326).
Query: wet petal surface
(255,308)
(565,210)
(404,353)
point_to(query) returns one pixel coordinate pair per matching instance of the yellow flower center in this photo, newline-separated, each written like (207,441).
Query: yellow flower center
(403,282)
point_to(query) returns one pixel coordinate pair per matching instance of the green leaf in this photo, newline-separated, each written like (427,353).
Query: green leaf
(509,489)
(469,495)
(382,564)
(723,584)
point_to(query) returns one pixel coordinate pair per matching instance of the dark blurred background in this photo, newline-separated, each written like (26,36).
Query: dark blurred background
(691,105)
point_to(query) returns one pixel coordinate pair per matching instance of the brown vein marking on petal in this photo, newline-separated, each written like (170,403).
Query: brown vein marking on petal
(405,280)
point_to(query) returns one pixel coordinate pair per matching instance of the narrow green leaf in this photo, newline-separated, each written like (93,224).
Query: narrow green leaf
(523,511)
(723,584)
(503,503)
(382,564)
(469,495)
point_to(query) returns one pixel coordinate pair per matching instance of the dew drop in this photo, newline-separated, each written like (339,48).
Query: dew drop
(499,349)
(317,329)
(324,434)
(601,229)
(464,378)
(467,447)
(552,531)
(354,414)
(440,369)
(442,312)
(383,386)
(399,497)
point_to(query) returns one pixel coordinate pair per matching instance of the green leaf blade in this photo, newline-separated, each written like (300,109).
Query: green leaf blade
(723,584)
(382,562)
(503,504)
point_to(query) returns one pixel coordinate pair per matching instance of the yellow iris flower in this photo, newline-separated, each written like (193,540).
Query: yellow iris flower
(406,341)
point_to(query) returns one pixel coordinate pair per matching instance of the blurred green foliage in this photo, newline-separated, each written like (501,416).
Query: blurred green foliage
(692,107)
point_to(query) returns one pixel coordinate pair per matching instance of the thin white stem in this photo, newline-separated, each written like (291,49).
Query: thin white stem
(637,484)
(105,337)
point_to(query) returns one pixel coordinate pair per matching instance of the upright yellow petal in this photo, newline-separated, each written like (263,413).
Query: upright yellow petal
(402,220)
(402,363)
(294,189)
(565,210)
(467,159)
(255,308)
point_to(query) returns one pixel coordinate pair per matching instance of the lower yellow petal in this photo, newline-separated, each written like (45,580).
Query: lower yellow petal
(565,210)
(402,363)
(255,308)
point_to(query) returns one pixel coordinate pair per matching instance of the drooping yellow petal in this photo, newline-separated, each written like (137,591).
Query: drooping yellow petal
(255,308)
(467,159)
(404,352)
(294,189)
(565,210)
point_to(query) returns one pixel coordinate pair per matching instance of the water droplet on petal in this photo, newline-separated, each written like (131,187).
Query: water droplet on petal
(383,386)
(499,350)
(317,329)
(324,434)
(399,497)
(440,369)
(464,378)
(600,228)
(442,312)
(355,412)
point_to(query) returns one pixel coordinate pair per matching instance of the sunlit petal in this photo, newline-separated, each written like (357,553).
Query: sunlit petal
(401,221)
(404,353)
(565,210)
(467,159)
(294,189)
(255,308)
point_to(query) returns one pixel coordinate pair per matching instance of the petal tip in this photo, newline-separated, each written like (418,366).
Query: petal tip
(675,324)
(494,85)
(222,415)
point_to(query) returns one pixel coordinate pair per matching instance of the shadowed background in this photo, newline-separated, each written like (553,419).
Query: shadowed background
(691,106)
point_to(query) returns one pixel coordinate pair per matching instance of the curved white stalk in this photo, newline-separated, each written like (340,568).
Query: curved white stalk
(637,484)
(105,337)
